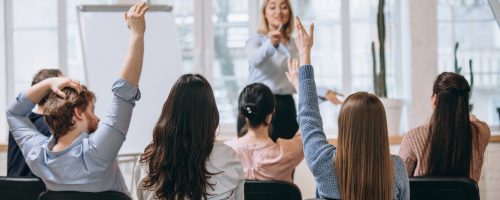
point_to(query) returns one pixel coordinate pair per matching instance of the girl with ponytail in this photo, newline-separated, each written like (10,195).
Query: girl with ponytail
(454,141)
(262,157)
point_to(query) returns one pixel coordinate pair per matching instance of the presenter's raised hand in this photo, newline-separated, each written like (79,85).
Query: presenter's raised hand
(135,18)
(275,36)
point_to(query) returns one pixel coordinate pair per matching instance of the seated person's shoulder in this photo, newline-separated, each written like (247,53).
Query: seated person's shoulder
(479,126)
(418,131)
(223,150)
(399,167)
(396,160)
(234,143)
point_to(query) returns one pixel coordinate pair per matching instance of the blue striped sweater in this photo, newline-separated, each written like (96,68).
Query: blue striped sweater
(320,154)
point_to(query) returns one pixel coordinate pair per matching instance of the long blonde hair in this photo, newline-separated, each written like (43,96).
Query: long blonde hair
(263,28)
(363,160)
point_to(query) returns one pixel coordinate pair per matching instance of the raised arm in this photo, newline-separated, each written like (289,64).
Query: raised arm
(36,92)
(24,132)
(318,152)
(109,137)
(137,25)
(257,50)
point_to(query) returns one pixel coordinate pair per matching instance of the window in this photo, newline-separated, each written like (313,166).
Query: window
(35,39)
(327,50)
(212,36)
(473,26)
(230,65)
(184,18)
(363,33)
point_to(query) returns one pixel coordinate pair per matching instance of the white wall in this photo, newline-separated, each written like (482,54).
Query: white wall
(3,76)
(424,61)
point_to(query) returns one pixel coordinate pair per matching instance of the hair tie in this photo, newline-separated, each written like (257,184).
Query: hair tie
(248,110)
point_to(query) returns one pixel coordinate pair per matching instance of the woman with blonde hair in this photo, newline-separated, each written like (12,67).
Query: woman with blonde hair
(361,166)
(267,53)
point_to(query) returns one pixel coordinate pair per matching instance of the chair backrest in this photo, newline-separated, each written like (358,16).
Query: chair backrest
(127,163)
(58,195)
(267,190)
(19,188)
(457,188)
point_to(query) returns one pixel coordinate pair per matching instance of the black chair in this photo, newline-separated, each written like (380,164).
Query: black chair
(457,188)
(19,188)
(63,195)
(271,190)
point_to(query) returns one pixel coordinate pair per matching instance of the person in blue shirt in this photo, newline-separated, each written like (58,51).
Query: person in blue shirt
(81,153)
(16,166)
(360,166)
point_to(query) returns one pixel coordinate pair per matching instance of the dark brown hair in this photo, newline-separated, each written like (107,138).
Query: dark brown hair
(59,111)
(255,103)
(363,160)
(183,139)
(450,132)
(42,75)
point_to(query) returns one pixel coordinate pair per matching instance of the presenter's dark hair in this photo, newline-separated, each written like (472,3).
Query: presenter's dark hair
(183,139)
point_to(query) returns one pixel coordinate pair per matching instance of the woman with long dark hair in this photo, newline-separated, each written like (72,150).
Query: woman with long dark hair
(360,167)
(454,141)
(262,157)
(184,161)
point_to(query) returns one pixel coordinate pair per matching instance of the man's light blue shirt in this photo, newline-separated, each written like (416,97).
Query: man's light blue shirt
(89,163)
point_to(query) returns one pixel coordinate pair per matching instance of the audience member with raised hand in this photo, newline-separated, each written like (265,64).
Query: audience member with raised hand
(361,166)
(80,155)
(262,157)
(16,164)
(184,161)
(453,142)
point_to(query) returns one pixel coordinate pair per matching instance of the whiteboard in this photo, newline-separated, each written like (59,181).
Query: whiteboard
(105,40)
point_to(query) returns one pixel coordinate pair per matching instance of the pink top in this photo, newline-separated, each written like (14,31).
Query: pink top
(268,160)
(413,146)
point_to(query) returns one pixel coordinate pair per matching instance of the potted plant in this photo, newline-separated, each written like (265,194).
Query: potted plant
(498,111)
(458,69)
(392,107)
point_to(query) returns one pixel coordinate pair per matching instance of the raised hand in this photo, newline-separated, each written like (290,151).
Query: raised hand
(304,42)
(275,37)
(135,18)
(36,92)
(58,83)
(292,74)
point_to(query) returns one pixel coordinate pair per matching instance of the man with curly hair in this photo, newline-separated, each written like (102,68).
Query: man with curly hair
(80,155)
